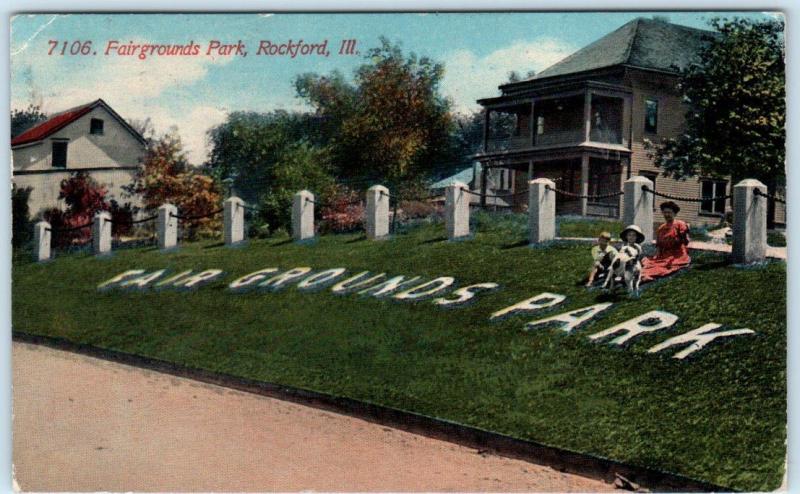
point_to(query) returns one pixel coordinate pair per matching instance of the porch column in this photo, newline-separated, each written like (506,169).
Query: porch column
(532,125)
(486,113)
(483,184)
(587,115)
(584,184)
(530,170)
(627,126)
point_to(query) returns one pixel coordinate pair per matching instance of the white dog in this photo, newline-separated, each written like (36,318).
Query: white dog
(626,265)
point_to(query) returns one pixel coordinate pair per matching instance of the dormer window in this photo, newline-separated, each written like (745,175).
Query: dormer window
(96,126)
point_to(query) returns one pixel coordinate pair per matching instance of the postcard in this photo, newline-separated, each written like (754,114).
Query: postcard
(460,251)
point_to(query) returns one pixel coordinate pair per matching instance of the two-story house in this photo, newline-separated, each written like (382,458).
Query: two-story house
(584,121)
(92,138)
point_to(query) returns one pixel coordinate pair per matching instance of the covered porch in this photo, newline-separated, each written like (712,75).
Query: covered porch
(592,113)
(583,173)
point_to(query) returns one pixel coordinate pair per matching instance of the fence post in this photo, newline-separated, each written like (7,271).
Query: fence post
(41,241)
(233,216)
(749,222)
(377,212)
(639,206)
(167,226)
(101,233)
(303,216)
(456,211)
(541,211)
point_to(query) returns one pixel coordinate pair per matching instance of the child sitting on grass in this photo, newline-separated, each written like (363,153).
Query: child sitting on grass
(602,255)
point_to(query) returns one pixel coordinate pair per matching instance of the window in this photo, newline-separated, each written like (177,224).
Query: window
(96,126)
(651,115)
(59,154)
(539,125)
(712,188)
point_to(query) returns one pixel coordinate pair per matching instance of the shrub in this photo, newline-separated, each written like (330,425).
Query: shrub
(20,216)
(121,217)
(342,212)
(417,209)
(84,197)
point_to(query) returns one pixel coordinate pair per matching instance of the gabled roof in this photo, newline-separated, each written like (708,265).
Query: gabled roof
(64,118)
(644,43)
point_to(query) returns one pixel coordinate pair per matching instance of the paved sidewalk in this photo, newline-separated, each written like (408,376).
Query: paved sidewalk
(84,424)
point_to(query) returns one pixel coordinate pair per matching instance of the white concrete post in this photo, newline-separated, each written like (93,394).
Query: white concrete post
(749,222)
(101,233)
(456,211)
(167,226)
(541,211)
(303,216)
(233,215)
(41,241)
(377,212)
(639,206)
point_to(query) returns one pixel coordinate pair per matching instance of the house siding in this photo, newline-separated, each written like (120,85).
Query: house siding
(111,158)
(671,114)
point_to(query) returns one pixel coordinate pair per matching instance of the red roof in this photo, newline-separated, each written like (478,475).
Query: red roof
(53,124)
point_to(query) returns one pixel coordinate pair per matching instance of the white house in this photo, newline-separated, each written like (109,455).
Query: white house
(91,138)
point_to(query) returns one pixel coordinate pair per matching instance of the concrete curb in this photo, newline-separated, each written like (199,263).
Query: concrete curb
(556,458)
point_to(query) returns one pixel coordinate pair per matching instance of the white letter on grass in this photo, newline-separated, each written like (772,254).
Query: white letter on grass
(539,302)
(352,284)
(698,338)
(321,279)
(464,294)
(119,277)
(279,281)
(198,279)
(568,321)
(632,328)
(388,286)
(426,289)
(173,279)
(143,281)
(251,279)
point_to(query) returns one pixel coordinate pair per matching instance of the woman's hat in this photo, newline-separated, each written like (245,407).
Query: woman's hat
(604,235)
(670,205)
(632,228)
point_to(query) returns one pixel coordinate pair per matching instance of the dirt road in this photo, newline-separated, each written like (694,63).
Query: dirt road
(84,424)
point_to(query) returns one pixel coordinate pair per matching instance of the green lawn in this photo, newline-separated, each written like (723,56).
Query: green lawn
(719,416)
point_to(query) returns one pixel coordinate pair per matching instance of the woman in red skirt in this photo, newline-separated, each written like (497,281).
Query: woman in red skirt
(672,241)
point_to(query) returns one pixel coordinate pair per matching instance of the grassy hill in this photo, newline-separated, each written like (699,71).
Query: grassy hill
(719,416)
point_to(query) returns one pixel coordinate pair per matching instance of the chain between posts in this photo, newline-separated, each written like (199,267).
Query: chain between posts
(585,196)
(72,229)
(398,198)
(771,197)
(196,217)
(132,222)
(686,199)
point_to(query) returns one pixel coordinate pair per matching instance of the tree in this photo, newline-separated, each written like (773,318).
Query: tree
(735,124)
(248,146)
(391,124)
(22,120)
(300,166)
(167,177)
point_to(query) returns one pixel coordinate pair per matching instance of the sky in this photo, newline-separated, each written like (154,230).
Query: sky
(195,93)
